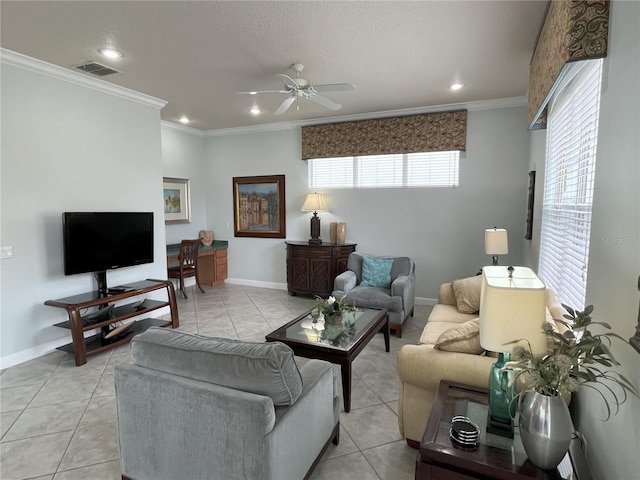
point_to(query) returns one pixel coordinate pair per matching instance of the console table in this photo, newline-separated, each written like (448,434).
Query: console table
(311,269)
(496,457)
(81,347)
(212,261)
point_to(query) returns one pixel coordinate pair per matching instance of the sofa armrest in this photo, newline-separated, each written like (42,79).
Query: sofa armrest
(304,427)
(345,281)
(424,366)
(420,369)
(446,294)
(404,286)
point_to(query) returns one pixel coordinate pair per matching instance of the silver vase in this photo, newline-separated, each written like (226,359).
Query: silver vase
(545,429)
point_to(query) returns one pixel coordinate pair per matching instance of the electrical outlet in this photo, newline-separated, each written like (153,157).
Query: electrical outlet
(6,252)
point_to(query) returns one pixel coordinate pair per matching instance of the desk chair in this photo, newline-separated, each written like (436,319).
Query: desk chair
(187,264)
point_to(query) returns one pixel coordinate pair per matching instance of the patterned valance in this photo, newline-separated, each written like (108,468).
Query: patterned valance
(430,132)
(573,30)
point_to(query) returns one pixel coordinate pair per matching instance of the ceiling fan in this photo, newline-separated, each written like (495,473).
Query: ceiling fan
(298,88)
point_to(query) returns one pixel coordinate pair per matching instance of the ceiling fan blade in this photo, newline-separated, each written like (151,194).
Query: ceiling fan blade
(334,87)
(262,91)
(325,102)
(288,81)
(284,106)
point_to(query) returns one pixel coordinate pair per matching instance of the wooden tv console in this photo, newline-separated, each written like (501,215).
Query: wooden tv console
(81,347)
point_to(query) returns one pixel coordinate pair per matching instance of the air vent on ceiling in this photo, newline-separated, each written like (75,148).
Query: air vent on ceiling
(96,68)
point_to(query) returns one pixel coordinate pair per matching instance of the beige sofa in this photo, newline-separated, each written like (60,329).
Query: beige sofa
(449,349)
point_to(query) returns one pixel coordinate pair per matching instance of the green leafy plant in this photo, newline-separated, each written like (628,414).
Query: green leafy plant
(332,305)
(578,358)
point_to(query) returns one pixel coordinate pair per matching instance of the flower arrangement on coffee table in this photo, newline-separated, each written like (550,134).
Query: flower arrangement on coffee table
(331,308)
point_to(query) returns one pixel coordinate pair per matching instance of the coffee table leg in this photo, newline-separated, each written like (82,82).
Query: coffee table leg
(386,334)
(345,371)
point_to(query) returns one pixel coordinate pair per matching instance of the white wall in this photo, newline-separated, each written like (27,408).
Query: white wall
(66,147)
(260,260)
(614,256)
(443,229)
(537,146)
(183,157)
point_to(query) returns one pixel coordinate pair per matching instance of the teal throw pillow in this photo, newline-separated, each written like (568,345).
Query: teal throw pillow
(376,272)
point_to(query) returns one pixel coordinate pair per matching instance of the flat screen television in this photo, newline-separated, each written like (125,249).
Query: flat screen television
(100,241)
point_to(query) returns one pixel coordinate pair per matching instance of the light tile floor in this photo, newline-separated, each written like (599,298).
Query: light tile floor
(58,420)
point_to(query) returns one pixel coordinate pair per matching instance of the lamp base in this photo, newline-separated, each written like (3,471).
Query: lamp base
(498,427)
(315,230)
(501,410)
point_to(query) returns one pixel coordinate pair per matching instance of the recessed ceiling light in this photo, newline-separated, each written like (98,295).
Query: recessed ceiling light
(184,120)
(255,110)
(456,86)
(110,53)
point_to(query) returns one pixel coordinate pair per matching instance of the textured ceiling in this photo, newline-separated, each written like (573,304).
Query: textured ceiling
(197,55)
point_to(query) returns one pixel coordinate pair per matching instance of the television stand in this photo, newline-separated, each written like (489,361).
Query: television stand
(82,347)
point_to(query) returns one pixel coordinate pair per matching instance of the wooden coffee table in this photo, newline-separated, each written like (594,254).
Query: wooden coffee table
(495,458)
(338,344)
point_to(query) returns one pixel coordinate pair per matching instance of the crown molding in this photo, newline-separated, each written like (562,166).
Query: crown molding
(9,57)
(182,128)
(470,106)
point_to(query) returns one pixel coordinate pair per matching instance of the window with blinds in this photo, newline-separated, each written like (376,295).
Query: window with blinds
(572,137)
(429,169)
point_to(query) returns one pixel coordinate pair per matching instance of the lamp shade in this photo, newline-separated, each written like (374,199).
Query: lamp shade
(496,241)
(314,203)
(512,307)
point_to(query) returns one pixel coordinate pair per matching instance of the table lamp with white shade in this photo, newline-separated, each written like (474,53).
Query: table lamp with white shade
(512,307)
(496,242)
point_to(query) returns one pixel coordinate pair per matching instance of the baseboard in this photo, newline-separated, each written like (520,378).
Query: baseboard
(51,346)
(256,283)
(426,301)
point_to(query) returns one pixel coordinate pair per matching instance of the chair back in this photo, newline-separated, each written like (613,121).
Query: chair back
(188,255)
(401,265)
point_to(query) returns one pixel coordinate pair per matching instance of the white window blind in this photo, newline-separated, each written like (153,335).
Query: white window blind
(572,134)
(429,169)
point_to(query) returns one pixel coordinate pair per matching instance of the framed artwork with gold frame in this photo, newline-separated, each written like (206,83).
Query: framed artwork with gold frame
(259,206)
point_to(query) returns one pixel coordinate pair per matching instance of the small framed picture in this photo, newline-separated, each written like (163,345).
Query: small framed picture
(177,200)
(259,206)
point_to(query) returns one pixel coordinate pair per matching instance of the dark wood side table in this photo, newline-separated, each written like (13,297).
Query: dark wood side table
(496,457)
(311,269)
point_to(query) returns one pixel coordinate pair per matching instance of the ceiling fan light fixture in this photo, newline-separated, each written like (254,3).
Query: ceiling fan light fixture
(111,53)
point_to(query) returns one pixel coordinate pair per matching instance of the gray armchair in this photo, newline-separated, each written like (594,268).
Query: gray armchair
(198,407)
(398,297)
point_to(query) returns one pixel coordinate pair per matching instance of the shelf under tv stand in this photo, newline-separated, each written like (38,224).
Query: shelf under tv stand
(82,347)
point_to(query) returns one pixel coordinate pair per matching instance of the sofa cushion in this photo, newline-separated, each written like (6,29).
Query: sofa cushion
(263,368)
(449,314)
(463,338)
(376,272)
(467,291)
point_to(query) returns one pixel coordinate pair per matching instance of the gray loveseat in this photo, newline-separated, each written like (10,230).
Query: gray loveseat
(398,298)
(197,407)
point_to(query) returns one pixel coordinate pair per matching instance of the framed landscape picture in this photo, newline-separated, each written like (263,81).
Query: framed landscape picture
(177,200)
(259,206)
